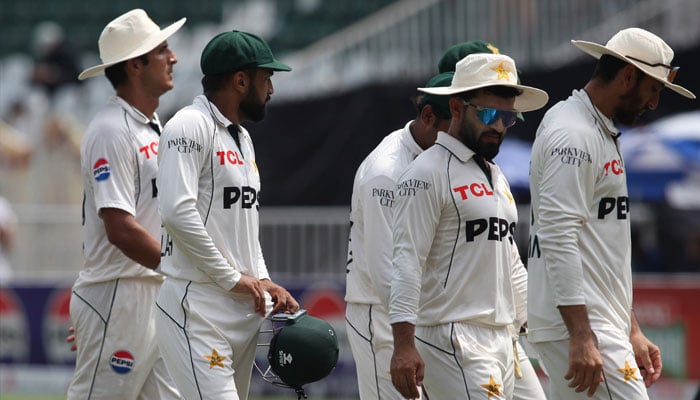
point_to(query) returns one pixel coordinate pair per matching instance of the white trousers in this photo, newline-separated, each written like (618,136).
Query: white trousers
(208,338)
(620,370)
(115,331)
(528,387)
(372,345)
(466,361)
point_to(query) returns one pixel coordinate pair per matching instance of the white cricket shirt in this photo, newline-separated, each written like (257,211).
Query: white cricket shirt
(579,251)
(371,245)
(209,191)
(455,257)
(118,162)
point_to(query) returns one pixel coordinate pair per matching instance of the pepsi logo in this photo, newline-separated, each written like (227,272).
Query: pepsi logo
(14,329)
(55,326)
(324,303)
(101,170)
(122,362)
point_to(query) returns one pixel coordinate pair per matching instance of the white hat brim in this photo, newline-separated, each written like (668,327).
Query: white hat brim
(148,45)
(530,99)
(597,50)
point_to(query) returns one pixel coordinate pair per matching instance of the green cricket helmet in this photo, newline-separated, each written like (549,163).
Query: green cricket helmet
(304,350)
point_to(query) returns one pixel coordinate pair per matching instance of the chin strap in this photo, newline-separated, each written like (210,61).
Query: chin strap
(301,394)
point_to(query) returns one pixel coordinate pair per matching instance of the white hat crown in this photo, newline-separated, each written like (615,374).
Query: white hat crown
(130,35)
(125,34)
(480,70)
(641,45)
(491,69)
(644,50)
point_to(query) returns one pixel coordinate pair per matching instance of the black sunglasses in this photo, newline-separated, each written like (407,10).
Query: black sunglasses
(672,71)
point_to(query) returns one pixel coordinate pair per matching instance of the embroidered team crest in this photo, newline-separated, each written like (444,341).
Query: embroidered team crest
(493,388)
(628,372)
(502,71)
(122,362)
(101,170)
(509,196)
(215,360)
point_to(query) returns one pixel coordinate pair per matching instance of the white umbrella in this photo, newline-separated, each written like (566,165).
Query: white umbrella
(661,156)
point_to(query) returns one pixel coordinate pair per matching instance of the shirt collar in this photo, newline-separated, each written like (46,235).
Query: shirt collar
(455,146)
(407,138)
(607,123)
(214,111)
(134,112)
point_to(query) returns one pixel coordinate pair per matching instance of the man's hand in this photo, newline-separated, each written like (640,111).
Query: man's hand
(281,299)
(648,357)
(253,287)
(585,364)
(407,367)
(71,339)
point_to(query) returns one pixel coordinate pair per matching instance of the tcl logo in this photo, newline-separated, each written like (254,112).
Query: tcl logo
(246,194)
(614,167)
(153,147)
(475,189)
(230,157)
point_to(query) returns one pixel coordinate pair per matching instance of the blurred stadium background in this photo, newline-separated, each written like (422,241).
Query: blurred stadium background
(356,65)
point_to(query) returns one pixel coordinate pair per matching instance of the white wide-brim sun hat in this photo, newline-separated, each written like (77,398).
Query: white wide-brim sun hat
(642,49)
(130,35)
(481,70)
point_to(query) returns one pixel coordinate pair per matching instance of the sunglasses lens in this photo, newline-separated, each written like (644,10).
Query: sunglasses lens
(508,118)
(490,115)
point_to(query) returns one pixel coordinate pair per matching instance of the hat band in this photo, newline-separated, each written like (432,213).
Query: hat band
(672,71)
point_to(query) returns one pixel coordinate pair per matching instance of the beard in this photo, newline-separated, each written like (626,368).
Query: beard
(488,150)
(251,108)
(631,106)
(478,141)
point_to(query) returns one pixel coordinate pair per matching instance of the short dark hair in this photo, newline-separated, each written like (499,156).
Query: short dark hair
(607,68)
(419,103)
(117,73)
(214,83)
(505,92)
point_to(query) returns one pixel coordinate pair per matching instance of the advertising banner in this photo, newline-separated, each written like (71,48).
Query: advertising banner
(34,322)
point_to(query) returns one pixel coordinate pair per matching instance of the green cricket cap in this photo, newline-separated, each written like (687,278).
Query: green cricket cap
(459,51)
(235,51)
(441,104)
(304,350)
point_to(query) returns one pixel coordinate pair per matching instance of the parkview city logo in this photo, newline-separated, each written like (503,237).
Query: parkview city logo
(122,362)
(101,170)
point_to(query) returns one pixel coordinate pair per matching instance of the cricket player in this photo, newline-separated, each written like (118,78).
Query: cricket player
(580,298)
(371,244)
(113,299)
(458,275)
(218,290)
(527,383)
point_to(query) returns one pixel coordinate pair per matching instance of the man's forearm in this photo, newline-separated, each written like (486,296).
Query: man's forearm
(576,319)
(403,334)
